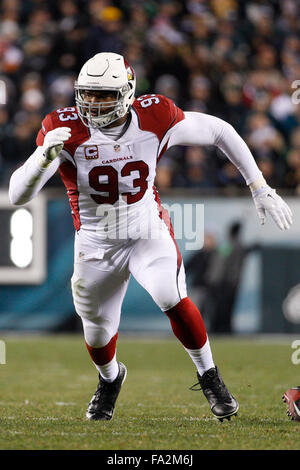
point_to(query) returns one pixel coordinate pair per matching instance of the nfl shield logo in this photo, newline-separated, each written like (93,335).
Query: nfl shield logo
(117,148)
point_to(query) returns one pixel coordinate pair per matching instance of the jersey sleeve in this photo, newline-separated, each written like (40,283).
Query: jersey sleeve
(157,114)
(65,117)
(26,182)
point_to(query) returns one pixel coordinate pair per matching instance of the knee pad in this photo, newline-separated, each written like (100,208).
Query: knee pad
(84,297)
(99,324)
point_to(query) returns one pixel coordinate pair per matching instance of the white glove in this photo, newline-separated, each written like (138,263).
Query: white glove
(53,143)
(266,200)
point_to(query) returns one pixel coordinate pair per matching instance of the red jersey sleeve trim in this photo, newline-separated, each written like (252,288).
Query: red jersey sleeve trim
(79,132)
(158,116)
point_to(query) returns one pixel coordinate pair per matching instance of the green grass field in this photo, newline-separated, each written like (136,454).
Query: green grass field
(47,382)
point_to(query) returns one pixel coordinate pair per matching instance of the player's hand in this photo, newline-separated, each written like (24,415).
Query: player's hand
(268,202)
(54,142)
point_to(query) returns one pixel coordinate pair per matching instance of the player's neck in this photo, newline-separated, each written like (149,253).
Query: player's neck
(118,122)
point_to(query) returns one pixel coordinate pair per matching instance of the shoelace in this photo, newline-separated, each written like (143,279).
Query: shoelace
(103,392)
(218,389)
(195,389)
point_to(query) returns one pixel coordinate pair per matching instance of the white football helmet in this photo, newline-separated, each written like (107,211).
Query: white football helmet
(106,71)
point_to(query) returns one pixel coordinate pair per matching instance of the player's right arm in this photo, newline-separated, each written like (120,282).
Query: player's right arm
(28,180)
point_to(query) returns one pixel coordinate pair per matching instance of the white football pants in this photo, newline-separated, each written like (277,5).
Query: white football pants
(101,277)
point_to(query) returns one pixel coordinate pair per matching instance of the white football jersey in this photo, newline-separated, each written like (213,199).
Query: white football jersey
(110,183)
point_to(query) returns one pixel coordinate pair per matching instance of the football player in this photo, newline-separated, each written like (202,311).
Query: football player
(106,149)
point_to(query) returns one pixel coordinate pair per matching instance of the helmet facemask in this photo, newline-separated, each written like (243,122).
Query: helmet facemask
(95,114)
(105,72)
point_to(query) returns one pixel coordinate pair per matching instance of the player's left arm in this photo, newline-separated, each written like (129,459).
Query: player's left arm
(204,129)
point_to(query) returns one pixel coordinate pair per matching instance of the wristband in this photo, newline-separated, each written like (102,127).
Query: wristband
(258,184)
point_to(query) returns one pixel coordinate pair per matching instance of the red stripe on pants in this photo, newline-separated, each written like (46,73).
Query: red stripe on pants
(187,324)
(101,356)
(164,215)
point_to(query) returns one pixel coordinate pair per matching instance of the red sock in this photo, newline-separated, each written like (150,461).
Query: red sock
(187,324)
(101,356)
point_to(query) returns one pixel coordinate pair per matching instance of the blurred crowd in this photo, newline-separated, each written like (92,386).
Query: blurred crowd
(236,59)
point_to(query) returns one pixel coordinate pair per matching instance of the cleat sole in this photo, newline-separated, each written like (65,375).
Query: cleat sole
(226,417)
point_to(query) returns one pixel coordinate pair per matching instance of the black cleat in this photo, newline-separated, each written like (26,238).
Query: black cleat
(102,405)
(222,403)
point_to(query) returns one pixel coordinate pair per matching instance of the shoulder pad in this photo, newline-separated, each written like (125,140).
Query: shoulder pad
(157,114)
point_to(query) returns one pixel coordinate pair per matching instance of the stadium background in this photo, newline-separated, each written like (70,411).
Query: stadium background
(237,60)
